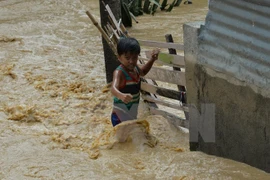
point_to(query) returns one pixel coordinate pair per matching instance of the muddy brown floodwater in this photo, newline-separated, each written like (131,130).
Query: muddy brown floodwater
(55,107)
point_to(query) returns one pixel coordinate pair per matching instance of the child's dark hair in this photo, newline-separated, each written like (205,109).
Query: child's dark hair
(126,45)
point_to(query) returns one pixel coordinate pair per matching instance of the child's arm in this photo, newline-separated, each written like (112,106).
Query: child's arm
(118,79)
(146,68)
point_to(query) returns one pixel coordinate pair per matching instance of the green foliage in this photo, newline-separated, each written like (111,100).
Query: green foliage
(125,12)
(138,7)
(171,6)
(155,6)
(164,4)
(147,7)
(178,2)
(135,7)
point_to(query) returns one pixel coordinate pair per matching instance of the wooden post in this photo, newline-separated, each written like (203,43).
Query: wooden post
(111,61)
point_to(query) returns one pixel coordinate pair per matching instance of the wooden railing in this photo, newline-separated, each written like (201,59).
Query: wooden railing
(162,72)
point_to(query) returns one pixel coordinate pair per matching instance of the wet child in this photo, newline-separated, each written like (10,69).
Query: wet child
(126,80)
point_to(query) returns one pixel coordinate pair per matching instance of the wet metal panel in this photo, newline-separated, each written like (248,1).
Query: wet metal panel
(236,40)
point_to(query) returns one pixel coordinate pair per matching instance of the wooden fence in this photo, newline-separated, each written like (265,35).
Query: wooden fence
(163,72)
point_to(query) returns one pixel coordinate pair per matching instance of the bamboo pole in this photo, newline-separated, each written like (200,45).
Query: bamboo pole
(103,33)
(124,30)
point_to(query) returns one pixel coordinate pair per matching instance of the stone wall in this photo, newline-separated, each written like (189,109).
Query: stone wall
(242,113)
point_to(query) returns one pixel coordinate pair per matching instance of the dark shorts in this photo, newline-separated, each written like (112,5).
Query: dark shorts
(115,120)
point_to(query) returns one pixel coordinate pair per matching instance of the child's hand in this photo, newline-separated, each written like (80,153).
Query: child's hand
(126,98)
(154,54)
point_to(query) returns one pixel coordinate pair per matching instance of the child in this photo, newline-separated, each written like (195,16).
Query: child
(126,80)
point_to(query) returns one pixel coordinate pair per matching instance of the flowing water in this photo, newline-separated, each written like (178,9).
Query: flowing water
(55,107)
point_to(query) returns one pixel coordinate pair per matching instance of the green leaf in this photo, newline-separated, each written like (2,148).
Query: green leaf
(155,2)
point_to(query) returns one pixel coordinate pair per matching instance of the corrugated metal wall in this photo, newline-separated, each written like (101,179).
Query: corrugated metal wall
(236,40)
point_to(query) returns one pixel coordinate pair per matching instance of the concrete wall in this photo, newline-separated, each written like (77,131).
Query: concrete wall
(242,109)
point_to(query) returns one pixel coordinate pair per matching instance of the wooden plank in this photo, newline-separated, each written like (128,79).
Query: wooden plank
(166,75)
(176,120)
(165,103)
(172,94)
(169,38)
(161,44)
(169,58)
(149,81)
(160,63)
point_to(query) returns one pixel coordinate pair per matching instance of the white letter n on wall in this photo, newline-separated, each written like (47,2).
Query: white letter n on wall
(203,123)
